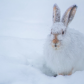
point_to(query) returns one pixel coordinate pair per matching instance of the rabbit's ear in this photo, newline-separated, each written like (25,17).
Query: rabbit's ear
(56,14)
(69,15)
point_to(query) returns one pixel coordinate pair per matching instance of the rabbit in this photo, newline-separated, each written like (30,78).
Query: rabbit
(64,47)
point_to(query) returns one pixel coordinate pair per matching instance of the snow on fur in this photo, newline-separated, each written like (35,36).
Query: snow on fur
(56,13)
(57,28)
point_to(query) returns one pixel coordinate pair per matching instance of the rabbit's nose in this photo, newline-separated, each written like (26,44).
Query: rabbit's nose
(55,45)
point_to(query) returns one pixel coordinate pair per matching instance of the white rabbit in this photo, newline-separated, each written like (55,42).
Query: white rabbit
(64,48)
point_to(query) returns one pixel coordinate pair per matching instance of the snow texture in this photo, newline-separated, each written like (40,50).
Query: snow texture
(57,28)
(24,26)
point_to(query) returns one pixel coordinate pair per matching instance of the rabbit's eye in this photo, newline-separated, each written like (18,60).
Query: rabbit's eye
(62,32)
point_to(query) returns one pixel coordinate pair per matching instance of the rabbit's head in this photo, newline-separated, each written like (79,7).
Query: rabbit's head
(59,28)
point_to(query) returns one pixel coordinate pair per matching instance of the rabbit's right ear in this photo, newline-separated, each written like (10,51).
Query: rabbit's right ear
(69,15)
(56,13)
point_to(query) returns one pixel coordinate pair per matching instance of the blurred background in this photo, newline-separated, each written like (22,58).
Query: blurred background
(33,18)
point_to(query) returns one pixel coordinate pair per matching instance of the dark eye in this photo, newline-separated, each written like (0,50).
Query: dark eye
(62,32)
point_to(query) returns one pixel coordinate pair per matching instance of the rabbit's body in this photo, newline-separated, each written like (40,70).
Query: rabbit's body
(69,57)
(64,48)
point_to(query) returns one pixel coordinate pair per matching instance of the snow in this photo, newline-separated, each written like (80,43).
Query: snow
(24,26)
(57,28)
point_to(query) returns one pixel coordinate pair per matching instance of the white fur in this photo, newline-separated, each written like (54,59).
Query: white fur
(57,27)
(69,56)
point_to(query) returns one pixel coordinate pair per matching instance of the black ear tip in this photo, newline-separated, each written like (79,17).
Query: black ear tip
(54,4)
(75,6)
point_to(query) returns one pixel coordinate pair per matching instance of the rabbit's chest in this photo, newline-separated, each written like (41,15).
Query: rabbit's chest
(58,62)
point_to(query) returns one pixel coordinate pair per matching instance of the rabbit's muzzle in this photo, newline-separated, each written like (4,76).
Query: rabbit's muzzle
(56,45)
(55,42)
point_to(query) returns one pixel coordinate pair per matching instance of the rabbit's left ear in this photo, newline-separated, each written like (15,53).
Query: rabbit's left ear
(69,15)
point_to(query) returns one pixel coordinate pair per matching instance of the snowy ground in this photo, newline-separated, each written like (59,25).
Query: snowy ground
(24,26)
